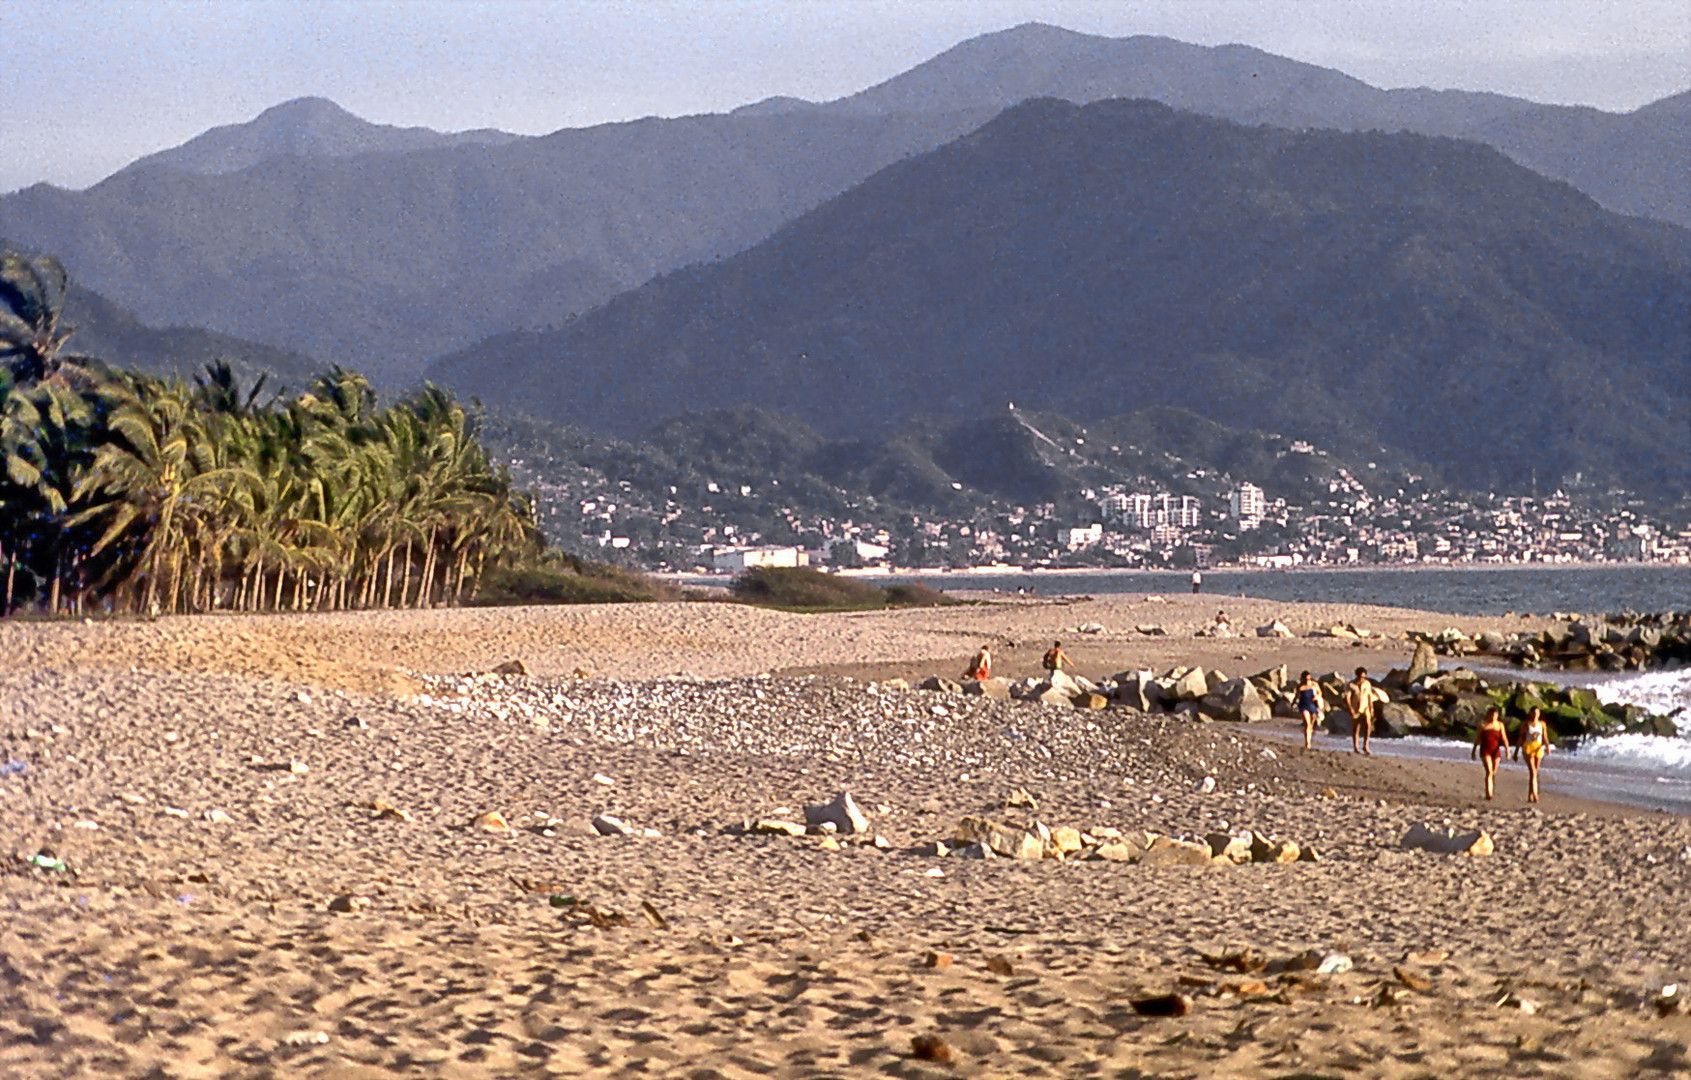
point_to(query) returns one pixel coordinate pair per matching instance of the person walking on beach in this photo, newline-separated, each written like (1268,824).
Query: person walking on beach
(1491,741)
(1056,658)
(1361,699)
(1311,706)
(1533,742)
(1197,582)
(980,668)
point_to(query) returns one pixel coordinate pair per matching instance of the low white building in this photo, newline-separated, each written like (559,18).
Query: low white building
(850,549)
(733,560)
(1080,536)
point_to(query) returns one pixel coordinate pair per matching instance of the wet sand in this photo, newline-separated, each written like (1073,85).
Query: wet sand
(275,866)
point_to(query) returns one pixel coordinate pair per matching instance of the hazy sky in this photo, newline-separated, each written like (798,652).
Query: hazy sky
(89,85)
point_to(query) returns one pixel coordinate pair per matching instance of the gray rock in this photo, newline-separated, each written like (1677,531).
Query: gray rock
(1237,700)
(842,811)
(1133,689)
(1424,663)
(1395,721)
(1010,841)
(940,684)
(1167,851)
(987,688)
(606,825)
(1448,841)
(1234,847)
(1275,629)
(1188,684)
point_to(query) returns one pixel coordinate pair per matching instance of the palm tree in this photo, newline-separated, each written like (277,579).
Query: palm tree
(32,333)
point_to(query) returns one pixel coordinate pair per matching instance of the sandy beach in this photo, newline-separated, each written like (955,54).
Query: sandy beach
(280,861)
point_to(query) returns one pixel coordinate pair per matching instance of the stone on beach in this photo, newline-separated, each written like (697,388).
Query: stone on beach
(1188,684)
(492,821)
(842,812)
(1238,700)
(1010,841)
(1425,662)
(606,825)
(1167,851)
(987,688)
(1448,841)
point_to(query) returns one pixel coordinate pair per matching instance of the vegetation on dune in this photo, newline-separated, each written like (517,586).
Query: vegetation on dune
(558,578)
(135,494)
(803,589)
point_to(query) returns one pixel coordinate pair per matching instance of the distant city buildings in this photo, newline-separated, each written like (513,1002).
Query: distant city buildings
(1247,505)
(1333,518)
(1147,510)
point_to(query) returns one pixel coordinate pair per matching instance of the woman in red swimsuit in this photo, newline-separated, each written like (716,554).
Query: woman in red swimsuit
(1491,742)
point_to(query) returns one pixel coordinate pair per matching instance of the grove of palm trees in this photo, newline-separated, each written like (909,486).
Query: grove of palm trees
(127,493)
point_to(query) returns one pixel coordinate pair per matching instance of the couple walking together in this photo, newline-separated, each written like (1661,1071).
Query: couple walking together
(1362,700)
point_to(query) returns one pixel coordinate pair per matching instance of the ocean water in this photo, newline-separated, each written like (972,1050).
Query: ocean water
(1487,590)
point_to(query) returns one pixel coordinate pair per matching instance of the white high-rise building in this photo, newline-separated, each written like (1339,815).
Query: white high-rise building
(1248,505)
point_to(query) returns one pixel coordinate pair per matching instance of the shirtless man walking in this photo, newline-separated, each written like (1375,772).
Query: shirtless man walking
(1360,701)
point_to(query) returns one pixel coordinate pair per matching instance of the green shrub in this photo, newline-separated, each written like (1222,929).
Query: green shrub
(800,587)
(916,594)
(565,579)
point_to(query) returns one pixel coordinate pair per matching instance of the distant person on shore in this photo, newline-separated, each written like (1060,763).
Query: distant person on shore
(1491,741)
(1361,699)
(1197,583)
(980,668)
(1532,743)
(1055,658)
(1311,706)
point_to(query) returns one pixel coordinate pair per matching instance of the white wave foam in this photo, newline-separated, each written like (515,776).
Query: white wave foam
(1658,691)
(1647,753)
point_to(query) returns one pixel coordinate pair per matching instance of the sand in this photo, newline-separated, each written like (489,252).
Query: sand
(275,869)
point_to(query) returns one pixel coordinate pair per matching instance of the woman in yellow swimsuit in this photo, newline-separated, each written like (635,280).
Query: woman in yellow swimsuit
(1532,743)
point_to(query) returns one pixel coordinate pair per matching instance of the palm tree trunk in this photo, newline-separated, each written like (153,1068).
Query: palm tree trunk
(425,588)
(175,581)
(405,580)
(53,589)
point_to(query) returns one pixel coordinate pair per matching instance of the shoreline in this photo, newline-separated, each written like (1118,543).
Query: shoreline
(711,577)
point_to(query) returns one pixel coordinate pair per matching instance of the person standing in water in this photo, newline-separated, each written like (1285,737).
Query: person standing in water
(1532,743)
(1491,742)
(1197,582)
(1311,706)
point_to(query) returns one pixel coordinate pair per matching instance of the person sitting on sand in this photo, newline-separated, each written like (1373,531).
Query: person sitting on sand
(1361,699)
(1311,706)
(1532,743)
(1491,740)
(980,668)
(1056,658)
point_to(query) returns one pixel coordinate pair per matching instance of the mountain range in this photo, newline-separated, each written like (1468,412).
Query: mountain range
(381,248)
(1425,295)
